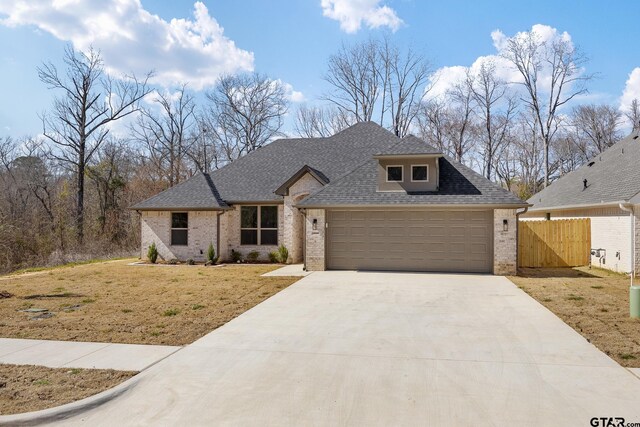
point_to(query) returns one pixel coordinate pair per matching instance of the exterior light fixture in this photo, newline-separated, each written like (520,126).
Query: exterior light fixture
(505,225)
(315,224)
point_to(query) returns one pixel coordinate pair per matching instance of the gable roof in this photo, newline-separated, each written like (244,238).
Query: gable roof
(255,177)
(196,193)
(459,185)
(612,177)
(283,190)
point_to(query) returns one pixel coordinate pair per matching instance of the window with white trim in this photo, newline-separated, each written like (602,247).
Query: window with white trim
(179,229)
(259,225)
(419,173)
(394,173)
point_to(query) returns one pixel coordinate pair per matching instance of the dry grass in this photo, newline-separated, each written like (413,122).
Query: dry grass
(594,302)
(116,302)
(25,388)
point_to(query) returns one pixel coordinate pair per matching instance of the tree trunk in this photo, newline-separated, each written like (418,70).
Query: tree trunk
(80,199)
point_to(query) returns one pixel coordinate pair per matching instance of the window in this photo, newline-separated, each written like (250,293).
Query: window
(259,225)
(179,229)
(394,173)
(419,173)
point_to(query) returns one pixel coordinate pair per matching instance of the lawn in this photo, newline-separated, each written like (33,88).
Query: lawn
(117,302)
(594,302)
(31,388)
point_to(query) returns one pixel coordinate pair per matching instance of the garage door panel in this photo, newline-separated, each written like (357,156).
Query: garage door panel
(413,240)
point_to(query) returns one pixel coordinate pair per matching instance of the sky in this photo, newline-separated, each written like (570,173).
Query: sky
(195,42)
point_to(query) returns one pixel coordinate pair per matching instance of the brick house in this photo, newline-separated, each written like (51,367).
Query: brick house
(607,190)
(360,199)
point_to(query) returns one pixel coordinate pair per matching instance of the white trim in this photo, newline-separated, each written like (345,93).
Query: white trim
(581,206)
(387,172)
(420,180)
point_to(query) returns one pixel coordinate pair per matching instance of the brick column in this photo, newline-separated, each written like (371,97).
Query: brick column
(505,249)
(315,240)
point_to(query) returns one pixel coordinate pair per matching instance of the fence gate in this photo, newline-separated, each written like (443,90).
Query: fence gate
(556,243)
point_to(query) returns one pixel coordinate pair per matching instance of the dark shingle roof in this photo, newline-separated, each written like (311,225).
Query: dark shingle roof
(256,176)
(612,176)
(459,185)
(409,145)
(198,192)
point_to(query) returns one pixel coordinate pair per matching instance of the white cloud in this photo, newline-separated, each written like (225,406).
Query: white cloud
(446,77)
(133,40)
(294,96)
(631,89)
(353,13)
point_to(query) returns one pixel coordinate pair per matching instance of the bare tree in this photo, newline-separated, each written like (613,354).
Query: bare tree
(314,122)
(405,77)
(89,101)
(496,108)
(594,128)
(166,131)
(633,115)
(552,75)
(354,75)
(244,113)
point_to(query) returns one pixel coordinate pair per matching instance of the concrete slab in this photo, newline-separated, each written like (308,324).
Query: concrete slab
(289,270)
(348,348)
(635,371)
(69,354)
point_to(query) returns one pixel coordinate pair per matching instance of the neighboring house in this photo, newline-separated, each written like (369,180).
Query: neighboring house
(361,199)
(606,190)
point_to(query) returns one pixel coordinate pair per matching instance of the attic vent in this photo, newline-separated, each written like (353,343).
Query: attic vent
(591,163)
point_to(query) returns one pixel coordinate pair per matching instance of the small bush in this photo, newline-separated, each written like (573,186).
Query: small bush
(211,254)
(191,262)
(274,257)
(253,256)
(197,306)
(236,256)
(283,254)
(173,261)
(152,253)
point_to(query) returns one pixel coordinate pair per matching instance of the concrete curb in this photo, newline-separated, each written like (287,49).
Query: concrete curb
(68,410)
(62,412)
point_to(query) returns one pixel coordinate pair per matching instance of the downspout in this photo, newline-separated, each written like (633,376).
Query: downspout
(634,291)
(304,238)
(524,211)
(218,232)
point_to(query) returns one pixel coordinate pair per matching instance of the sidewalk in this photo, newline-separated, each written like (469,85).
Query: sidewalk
(85,355)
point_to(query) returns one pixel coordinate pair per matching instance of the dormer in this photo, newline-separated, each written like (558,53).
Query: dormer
(410,166)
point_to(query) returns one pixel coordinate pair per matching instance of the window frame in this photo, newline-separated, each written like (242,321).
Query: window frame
(258,229)
(401,173)
(420,180)
(172,228)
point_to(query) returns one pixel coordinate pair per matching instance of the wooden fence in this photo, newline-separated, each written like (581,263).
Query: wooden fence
(556,243)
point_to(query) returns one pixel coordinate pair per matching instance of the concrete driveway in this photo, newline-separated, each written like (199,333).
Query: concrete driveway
(351,348)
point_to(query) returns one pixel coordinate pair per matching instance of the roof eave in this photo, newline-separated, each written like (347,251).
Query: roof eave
(179,208)
(416,205)
(578,206)
(412,156)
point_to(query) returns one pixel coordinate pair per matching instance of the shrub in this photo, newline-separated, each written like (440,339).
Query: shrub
(211,254)
(274,257)
(172,261)
(236,256)
(191,262)
(171,312)
(283,254)
(152,253)
(253,256)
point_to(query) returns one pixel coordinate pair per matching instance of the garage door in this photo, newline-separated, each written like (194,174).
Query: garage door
(416,240)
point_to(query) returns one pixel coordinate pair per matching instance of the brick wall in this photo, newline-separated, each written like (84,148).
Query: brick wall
(610,230)
(230,235)
(315,240)
(156,227)
(293,219)
(505,249)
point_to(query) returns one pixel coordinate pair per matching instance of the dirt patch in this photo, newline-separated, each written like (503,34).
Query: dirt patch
(117,302)
(26,388)
(594,302)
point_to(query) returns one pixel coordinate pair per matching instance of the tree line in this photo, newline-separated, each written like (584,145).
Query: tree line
(108,142)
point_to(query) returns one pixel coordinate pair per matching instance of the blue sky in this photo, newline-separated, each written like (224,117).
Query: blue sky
(291,40)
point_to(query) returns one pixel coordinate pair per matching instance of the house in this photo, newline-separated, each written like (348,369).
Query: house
(606,190)
(360,199)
